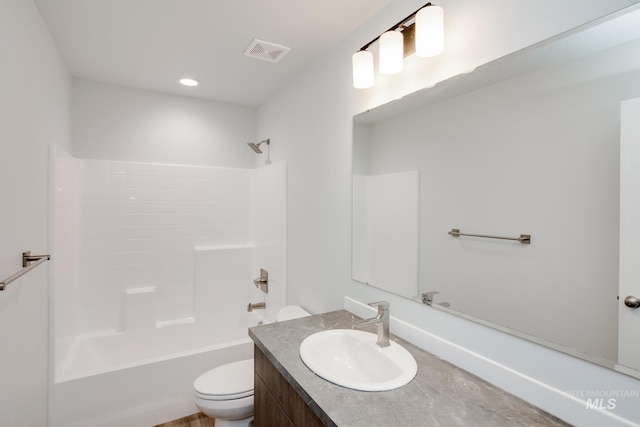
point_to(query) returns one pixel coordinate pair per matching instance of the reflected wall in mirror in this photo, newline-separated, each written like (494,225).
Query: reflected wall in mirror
(528,144)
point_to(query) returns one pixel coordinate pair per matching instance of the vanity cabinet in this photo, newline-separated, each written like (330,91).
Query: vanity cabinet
(276,403)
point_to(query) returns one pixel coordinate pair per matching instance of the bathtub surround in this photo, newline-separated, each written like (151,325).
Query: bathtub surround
(158,269)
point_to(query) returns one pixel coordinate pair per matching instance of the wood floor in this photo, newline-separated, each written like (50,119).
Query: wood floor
(195,420)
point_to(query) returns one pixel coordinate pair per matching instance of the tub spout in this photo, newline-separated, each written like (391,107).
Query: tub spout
(257,306)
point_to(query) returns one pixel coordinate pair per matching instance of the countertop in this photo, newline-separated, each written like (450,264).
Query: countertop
(441,394)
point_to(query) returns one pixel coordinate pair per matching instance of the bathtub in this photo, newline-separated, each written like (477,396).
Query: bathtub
(102,387)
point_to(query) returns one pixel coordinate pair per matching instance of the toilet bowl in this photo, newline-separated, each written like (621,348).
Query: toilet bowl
(226,392)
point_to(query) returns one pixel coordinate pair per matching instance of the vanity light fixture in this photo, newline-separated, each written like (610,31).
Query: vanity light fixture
(186,81)
(421,32)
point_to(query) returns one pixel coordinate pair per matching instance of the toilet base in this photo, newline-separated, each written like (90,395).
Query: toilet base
(245,422)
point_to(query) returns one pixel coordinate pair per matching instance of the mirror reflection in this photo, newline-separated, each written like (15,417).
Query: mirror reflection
(528,144)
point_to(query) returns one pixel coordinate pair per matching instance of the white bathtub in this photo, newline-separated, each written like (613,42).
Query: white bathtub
(106,385)
(131,394)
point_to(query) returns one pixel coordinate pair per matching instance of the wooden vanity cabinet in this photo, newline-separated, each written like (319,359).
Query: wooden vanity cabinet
(276,403)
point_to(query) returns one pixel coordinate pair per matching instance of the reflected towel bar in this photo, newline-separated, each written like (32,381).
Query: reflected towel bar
(29,262)
(525,239)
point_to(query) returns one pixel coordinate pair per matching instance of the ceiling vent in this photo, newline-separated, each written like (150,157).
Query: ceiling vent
(266,51)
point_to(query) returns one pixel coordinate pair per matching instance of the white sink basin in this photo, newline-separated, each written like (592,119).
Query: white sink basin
(352,359)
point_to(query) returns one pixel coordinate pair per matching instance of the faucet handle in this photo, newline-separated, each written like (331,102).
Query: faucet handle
(427,297)
(381,305)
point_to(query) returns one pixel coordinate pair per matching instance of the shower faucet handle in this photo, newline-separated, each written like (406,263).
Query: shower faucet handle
(262,282)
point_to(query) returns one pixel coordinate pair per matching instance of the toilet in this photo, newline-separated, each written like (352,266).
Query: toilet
(226,392)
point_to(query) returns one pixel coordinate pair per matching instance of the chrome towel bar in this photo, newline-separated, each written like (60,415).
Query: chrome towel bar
(525,239)
(29,262)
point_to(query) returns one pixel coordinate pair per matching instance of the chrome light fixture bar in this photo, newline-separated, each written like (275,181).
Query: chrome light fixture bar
(425,37)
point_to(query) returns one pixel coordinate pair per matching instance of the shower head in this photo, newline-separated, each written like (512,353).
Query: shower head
(256,147)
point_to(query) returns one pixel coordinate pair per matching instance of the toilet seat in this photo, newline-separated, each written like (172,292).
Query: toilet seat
(226,382)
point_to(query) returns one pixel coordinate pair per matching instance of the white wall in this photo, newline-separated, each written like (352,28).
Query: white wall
(117,123)
(34,112)
(311,120)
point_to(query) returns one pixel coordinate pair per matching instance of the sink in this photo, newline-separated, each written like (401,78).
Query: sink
(352,359)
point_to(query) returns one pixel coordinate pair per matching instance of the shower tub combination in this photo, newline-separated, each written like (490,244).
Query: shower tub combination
(148,294)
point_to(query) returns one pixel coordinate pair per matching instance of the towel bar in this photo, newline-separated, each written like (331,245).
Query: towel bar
(29,262)
(525,239)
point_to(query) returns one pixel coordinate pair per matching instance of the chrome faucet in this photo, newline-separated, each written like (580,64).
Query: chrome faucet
(381,320)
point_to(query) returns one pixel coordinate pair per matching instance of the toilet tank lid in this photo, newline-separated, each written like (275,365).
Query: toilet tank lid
(291,312)
(226,380)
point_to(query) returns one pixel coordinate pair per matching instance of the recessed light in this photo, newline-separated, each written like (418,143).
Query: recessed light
(188,82)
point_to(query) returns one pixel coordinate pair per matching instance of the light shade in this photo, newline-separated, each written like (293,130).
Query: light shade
(391,52)
(429,31)
(363,76)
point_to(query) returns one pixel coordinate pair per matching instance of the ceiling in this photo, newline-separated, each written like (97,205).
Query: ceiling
(150,44)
